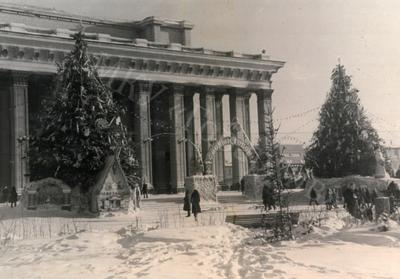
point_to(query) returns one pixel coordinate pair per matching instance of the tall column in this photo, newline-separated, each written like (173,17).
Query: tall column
(247,121)
(177,143)
(208,122)
(5,128)
(264,105)
(189,134)
(19,131)
(238,119)
(197,123)
(143,130)
(220,160)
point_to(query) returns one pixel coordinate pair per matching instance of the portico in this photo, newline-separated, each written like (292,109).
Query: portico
(173,92)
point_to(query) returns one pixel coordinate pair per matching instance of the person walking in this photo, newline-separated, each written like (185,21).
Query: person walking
(334,198)
(268,198)
(195,200)
(374,195)
(242,185)
(186,203)
(367,196)
(313,197)
(13,197)
(145,191)
(328,199)
(347,196)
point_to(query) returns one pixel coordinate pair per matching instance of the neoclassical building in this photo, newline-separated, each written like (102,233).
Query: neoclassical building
(175,93)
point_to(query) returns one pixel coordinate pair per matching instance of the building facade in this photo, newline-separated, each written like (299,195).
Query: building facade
(174,92)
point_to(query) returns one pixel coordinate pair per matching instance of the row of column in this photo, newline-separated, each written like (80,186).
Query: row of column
(187,131)
(198,128)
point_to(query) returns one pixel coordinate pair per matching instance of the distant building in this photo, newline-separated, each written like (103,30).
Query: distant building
(394,157)
(293,154)
(293,160)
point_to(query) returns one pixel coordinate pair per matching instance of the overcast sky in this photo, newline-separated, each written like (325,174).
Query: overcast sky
(309,35)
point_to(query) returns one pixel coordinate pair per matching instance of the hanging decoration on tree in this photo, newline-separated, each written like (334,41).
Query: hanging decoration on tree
(81,126)
(101,123)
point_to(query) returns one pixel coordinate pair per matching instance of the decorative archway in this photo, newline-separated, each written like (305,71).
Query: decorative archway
(244,145)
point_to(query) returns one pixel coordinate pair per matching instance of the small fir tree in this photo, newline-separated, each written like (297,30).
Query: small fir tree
(269,164)
(345,140)
(80,126)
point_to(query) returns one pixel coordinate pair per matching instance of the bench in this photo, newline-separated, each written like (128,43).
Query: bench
(267,220)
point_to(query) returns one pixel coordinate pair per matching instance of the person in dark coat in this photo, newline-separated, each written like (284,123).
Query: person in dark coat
(13,197)
(334,198)
(186,203)
(374,195)
(268,198)
(353,202)
(367,197)
(329,199)
(347,197)
(195,200)
(313,197)
(242,185)
(145,191)
(393,189)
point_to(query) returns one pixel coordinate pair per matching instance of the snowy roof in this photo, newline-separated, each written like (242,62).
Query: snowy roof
(293,154)
(102,176)
(59,15)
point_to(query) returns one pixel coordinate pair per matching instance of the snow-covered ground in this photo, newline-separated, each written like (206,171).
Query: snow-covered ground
(336,249)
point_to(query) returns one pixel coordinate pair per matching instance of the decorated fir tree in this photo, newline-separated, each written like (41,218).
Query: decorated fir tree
(80,126)
(345,140)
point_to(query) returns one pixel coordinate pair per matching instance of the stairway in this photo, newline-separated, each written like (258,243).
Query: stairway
(233,197)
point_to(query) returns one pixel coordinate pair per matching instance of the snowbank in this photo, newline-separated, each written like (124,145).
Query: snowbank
(338,247)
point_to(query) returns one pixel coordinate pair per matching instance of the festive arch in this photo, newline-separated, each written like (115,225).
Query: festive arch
(244,145)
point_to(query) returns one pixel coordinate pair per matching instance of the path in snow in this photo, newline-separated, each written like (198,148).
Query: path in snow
(204,252)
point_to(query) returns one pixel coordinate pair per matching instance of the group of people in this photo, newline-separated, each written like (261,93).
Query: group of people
(393,192)
(10,196)
(191,203)
(331,198)
(359,200)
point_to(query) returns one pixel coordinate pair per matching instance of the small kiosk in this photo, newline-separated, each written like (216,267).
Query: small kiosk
(111,191)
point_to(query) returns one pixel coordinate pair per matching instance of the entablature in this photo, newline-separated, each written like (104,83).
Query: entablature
(140,58)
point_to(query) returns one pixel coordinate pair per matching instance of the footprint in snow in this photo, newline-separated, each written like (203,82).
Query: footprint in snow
(72,237)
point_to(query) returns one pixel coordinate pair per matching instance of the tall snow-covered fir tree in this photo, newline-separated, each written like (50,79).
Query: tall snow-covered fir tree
(80,126)
(345,141)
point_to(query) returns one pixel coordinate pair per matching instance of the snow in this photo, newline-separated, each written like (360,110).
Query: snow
(337,247)
(158,241)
